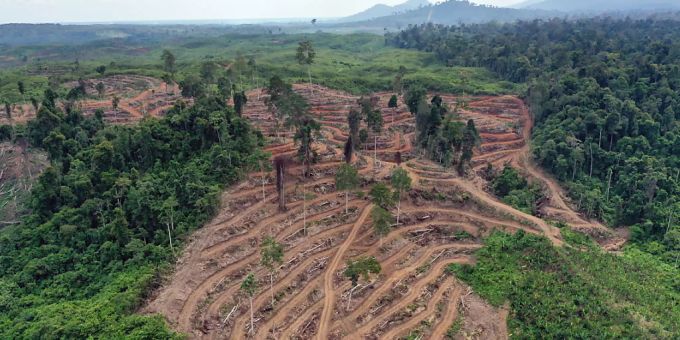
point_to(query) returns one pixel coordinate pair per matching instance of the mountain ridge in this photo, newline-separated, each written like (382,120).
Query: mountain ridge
(455,12)
(382,10)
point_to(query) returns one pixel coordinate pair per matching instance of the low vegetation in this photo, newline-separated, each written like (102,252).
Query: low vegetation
(516,191)
(575,291)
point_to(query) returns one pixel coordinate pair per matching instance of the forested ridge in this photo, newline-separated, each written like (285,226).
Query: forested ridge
(604,94)
(109,213)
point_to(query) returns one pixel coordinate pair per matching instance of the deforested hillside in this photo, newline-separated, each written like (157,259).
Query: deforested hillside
(604,94)
(381,10)
(506,181)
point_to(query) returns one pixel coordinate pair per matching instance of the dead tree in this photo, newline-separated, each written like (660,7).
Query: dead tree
(349,150)
(280,164)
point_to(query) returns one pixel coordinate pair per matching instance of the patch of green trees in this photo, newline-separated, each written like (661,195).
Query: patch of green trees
(109,213)
(605,95)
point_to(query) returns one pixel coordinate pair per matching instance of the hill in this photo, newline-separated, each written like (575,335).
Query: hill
(382,10)
(599,5)
(456,12)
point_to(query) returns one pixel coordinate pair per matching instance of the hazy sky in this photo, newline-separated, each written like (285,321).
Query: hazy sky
(136,10)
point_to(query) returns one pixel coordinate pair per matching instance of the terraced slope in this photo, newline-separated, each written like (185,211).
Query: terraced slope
(139,96)
(444,218)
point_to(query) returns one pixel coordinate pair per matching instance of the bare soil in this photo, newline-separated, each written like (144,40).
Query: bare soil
(140,96)
(443,220)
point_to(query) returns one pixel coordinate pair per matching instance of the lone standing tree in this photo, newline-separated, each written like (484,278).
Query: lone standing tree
(349,150)
(394,102)
(382,222)
(354,122)
(280,167)
(346,179)
(361,267)
(307,129)
(271,254)
(249,286)
(305,56)
(382,196)
(168,62)
(22,89)
(114,103)
(400,182)
(374,121)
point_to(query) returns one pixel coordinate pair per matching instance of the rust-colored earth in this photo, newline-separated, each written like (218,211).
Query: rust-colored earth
(413,292)
(139,97)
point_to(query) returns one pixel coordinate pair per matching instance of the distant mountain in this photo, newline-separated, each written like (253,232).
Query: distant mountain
(526,4)
(455,12)
(381,10)
(600,5)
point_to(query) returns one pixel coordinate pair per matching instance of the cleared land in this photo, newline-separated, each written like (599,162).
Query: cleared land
(139,96)
(444,218)
(19,168)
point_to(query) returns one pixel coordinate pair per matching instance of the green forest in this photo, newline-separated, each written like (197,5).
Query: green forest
(108,216)
(606,101)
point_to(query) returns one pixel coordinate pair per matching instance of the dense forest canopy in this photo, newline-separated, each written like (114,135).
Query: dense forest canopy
(604,94)
(107,213)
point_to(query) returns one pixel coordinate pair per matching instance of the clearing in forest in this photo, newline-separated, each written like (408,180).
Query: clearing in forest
(443,220)
(138,96)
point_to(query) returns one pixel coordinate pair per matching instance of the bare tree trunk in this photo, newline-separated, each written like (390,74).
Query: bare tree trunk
(264,194)
(279,165)
(609,184)
(346,202)
(375,153)
(309,72)
(591,160)
(398,207)
(271,286)
(349,300)
(599,139)
(170,237)
(252,318)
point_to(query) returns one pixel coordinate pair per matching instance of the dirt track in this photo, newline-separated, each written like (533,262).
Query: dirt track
(202,297)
